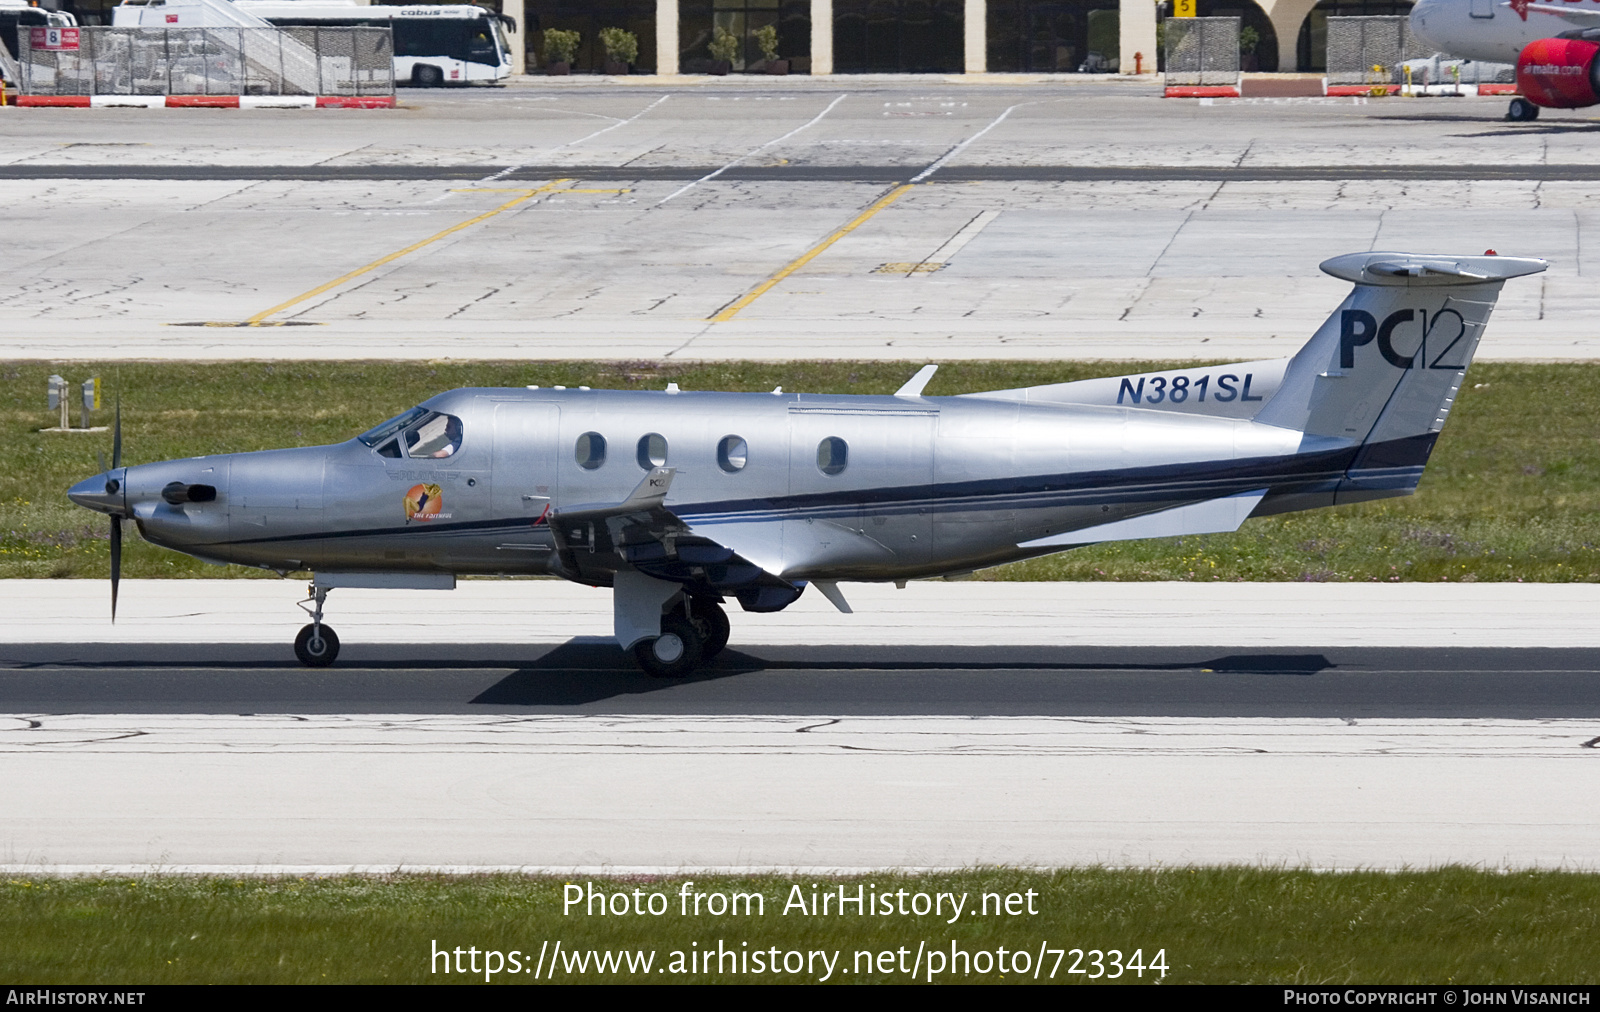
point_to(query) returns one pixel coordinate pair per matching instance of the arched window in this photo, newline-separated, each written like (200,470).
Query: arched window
(590,451)
(833,455)
(1264,52)
(652,450)
(1311,48)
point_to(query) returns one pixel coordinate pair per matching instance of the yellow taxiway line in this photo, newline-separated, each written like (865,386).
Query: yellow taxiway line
(731,310)
(522,197)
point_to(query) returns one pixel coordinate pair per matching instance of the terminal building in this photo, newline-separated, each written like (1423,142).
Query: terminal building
(906,36)
(937,36)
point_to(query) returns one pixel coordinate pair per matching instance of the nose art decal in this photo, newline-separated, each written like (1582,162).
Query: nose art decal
(423,502)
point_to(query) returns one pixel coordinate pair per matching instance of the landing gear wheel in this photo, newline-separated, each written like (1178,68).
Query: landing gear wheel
(1522,111)
(427,77)
(314,650)
(713,624)
(673,654)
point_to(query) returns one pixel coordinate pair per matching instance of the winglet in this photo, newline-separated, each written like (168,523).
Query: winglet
(652,490)
(914,385)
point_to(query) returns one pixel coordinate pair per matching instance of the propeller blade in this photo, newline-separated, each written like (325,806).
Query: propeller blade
(116,563)
(116,439)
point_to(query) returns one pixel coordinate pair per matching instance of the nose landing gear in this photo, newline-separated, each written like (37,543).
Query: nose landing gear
(1522,111)
(317,645)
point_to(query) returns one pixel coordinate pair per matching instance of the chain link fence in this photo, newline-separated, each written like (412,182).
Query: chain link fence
(213,61)
(1202,51)
(1371,50)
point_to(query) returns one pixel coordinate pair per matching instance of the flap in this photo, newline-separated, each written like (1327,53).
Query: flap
(640,534)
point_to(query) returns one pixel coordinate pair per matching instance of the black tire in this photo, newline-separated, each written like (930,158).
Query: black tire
(425,76)
(713,624)
(316,653)
(1522,111)
(673,654)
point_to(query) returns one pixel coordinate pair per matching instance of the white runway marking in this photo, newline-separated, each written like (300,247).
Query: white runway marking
(752,152)
(966,234)
(573,143)
(945,158)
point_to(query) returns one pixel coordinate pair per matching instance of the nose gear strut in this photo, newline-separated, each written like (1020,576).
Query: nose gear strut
(317,645)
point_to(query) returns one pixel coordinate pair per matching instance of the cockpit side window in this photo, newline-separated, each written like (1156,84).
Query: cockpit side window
(390,449)
(378,433)
(434,435)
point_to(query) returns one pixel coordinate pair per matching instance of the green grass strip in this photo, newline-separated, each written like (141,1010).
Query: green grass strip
(1214,925)
(1512,492)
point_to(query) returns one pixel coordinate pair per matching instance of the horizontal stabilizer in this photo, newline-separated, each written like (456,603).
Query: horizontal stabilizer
(1431,269)
(1214,516)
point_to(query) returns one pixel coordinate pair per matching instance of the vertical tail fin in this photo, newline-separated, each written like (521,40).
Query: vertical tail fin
(1387,362)
(1384,369)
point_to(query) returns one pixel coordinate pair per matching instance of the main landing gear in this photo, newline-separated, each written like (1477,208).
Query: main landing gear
(1522,111)
(317,646)
(689,637)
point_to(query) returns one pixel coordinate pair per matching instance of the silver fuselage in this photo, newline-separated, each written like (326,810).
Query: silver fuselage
(932,485)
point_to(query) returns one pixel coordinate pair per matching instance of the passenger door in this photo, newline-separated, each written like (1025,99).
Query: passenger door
(525,473)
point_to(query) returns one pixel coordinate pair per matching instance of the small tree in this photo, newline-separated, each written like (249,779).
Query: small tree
(1249,38)
(622,46)
(767,39)
(724,44)
(560,46)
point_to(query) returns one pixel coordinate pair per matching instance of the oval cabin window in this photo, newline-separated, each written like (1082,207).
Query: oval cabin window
(733,453)
(833,454)
(591,450)
(652,450)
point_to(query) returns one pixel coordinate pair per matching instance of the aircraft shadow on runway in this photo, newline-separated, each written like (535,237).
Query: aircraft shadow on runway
(591,670)
(1505,129)
(591,675)
(582,671)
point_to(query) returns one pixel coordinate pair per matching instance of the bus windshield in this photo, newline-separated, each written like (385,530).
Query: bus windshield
(500,34)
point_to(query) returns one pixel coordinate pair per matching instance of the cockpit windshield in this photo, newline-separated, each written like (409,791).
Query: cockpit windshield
(378,433)
(435,435)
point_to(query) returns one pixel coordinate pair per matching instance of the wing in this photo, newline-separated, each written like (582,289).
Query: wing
(641,534)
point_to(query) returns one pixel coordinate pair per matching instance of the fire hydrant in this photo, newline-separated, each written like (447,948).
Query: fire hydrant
(1138,63)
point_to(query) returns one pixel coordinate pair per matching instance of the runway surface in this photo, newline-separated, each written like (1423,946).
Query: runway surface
(907,220)
(887,174)
(297,793)
(590,677)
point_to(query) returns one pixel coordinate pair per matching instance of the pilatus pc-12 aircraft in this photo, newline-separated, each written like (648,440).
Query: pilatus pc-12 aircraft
(681,501)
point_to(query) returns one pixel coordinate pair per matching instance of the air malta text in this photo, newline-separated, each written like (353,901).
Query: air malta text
(1178,389)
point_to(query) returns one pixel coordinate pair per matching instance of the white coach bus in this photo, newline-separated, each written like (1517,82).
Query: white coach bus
(434,44)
